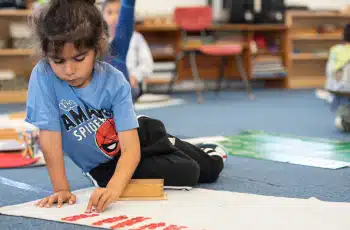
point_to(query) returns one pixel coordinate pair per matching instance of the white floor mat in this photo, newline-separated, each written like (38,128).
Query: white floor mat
(158,104)
(199,209)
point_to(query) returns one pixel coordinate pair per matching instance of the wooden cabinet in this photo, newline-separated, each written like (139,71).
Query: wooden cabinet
(311,35)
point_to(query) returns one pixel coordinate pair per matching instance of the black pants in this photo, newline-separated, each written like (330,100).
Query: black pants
(181,164)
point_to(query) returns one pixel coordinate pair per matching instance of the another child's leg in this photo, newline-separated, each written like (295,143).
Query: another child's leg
(210,162)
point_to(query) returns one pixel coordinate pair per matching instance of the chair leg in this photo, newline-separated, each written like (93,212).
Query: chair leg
(196,76)
(244,77)
(178,58)
(223,61)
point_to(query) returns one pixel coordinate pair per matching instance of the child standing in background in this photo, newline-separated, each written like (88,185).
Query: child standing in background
(338,80)
(83,108)
(119,17)
(139,62)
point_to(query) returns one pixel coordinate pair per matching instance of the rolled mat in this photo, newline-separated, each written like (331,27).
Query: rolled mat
(15,160)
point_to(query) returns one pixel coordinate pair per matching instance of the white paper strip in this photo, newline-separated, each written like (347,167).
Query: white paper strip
(201,209)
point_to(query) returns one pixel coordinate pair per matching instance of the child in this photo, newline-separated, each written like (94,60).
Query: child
(137,60)
(83,108)
(338,78)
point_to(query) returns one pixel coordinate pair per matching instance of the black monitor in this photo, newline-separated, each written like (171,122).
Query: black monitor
(254,11)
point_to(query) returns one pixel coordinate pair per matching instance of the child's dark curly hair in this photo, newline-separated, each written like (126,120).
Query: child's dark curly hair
(74,21)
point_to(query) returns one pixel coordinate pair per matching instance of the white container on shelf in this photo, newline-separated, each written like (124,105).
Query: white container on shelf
(21,35)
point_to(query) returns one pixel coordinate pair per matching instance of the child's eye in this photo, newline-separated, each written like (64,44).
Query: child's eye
(57,61)
(80,58)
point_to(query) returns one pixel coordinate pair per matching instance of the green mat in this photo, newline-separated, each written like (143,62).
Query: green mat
(285,148)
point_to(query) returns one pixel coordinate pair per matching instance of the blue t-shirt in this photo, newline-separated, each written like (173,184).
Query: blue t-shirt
(88,118)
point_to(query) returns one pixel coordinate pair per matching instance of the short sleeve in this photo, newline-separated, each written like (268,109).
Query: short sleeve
(41,106)
(123,108)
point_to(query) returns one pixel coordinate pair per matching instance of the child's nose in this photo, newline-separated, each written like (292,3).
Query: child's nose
(69,69)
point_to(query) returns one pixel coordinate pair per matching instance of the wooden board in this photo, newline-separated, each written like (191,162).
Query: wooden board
(144,189)
(164,197)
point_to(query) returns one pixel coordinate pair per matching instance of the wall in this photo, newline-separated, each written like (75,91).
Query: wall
(146,8)
(322,4)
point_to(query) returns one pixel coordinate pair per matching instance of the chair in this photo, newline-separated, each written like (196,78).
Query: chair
(199,19)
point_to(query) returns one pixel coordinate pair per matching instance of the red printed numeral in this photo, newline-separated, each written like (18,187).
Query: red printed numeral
(130,222)
(174,227)
(151,226)
(78,217)
(109,220)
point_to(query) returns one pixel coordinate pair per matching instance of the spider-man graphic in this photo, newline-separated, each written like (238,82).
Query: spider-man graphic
(107,138)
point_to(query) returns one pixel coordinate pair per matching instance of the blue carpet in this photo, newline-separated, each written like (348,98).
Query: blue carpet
(290,112)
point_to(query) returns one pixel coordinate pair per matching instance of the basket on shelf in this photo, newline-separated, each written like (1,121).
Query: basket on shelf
(12,83)
(21,35)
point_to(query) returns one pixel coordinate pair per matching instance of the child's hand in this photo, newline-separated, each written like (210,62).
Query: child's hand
(101,198)
(133,82)
(59,198)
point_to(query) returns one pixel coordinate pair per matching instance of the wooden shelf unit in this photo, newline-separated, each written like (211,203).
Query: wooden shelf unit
(16,52)
(308,48)
(21,61)
(309,56)
(208,67)
(14,13)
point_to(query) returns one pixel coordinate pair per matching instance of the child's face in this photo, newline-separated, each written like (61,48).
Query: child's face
(73,66)
(110,15)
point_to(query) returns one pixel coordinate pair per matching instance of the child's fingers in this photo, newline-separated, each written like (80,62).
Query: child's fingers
(94,198)
(38,203)
(72,199)
(89,207)
(43,202)
(59,202)
(52,200)
(107,203)
(105,196)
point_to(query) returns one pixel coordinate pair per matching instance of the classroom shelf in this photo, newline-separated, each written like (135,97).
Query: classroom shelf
(158,56)
(18,96)
(208,66)
(325,14)
(306,68)
(307,82)
(309,56)
(15,52)
(15,13)
(268,53)
(155,81)
(320,37)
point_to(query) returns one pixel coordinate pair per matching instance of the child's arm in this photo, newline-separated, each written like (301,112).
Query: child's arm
(51,146)
(42,111)
(126,125)
(127,163)
(124,30)
(129,159)
(140,60)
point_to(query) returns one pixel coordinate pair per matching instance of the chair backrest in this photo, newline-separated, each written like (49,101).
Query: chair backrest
(193,18)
